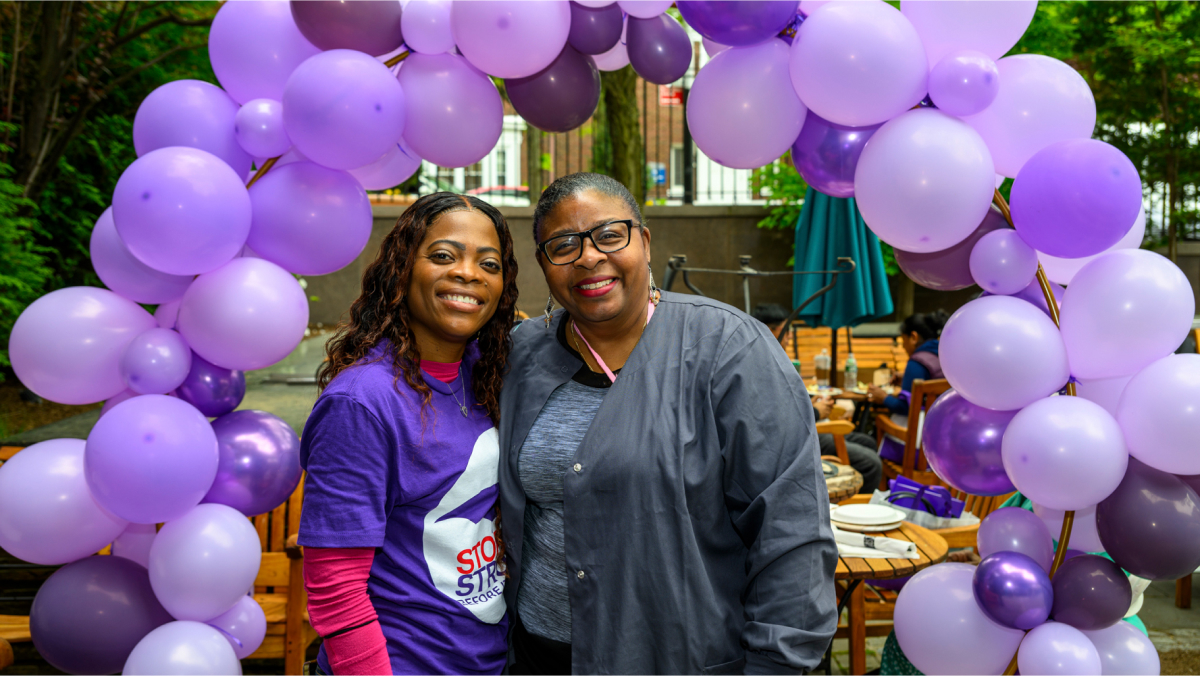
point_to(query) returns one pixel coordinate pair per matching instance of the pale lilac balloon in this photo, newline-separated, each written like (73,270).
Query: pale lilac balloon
(989,27)
(1124,651)
(1083,529)
(742,110)
(395,167)
(1034,294)
(1064,453)
(254,47)
(595,4)
(807,7)
(260,462)
(1160,413)
(308,219)
(645,9)
(964,82)
(426,25)
(1002,263)
(47,515)
(1057,648)
(941,628)
(945,270)
(826,154)
(125,274)
(151,459)
(134,543)
(711,48)
(67,345)
(371,27)
(1123,311)
(1003,353)
(258,127)
(246,315)
(617,57)
(1012,529)
(510,38)
(213,390)
(183,648)
(181,211)
(659,48)
(156,361)
(1063,270)
(858,63)
(204,562)
(244,625)
(924,182)
(123,396)
(192,114)
(167,313)
(1104,391)
(1041,101)
(454,112)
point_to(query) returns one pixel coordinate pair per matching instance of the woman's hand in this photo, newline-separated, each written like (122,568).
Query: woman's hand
(876,394)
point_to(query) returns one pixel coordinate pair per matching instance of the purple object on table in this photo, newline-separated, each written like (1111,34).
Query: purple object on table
(933,499)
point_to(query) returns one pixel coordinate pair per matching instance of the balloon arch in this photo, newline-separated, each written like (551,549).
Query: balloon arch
(913,112)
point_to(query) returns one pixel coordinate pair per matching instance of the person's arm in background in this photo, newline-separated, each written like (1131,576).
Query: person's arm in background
(899,403)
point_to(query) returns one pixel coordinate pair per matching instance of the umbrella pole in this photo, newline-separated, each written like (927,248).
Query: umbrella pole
(833,369)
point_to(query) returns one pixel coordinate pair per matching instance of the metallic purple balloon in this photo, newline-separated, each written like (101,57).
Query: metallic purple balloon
(1192,480)
(740,23)
(948,269)
(371,27)
(562,96)
(659,48)
(1012,529)
(595,30)
(1090,592)
(962,444)
(260,462)
(1150,525)
(826,154)
(1013,590)
(213,390)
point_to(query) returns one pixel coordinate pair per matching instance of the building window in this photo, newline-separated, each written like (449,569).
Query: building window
(677,165)
(501,167)
(473,177)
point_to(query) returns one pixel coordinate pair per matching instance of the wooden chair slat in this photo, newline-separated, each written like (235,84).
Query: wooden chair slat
(278,532)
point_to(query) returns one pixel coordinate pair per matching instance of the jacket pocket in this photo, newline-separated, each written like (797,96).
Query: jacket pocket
(734,667)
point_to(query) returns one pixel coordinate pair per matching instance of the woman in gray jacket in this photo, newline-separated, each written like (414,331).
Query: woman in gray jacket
(664,508)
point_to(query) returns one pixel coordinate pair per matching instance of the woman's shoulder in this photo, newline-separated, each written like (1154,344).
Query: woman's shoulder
(701,317)
(370,382)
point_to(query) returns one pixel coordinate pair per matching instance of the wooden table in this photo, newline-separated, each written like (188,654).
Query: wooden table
(853,570)
(845,483)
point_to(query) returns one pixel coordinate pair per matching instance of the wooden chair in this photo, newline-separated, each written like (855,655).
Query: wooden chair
(839,429)
(914,465)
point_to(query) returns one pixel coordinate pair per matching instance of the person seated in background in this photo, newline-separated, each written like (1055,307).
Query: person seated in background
(919,337)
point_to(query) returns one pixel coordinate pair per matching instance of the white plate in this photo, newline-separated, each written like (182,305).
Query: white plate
(854,528)
(867,515)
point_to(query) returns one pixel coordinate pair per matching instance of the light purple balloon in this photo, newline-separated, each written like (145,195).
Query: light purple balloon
(246,315)
(260,462)
(964,82)
(192,114)
(1160,413)
(1034,294)
(1063,270)
(204,562)
(1104,391)
(826,154)
(859,63)
(1083,529)
(510,38)
(343,109)
(1003,353)
(941,628)
(426,25)
(181,211)
(395,167)
(1002,263)
(989,27)
(244,625)
(1041,101)
(254,47)
(711,48)
(948,269)
(134,543)
(644,9)
(308,219)
(1057,648)
(47,515)
(1064,453)
(156,361)
(167,313)
(1123,311)
(1012,529)
(258,127)
(123,396)
(151,459)
(617,57)
(67,345)
(183,648)
(1124,650)
(742,110)
(454,112)
(924,182)
(125,274)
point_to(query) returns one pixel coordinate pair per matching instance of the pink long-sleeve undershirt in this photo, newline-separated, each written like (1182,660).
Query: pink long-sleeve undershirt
(340,609)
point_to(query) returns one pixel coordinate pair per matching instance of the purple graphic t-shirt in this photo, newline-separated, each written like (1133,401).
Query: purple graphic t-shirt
(423,491)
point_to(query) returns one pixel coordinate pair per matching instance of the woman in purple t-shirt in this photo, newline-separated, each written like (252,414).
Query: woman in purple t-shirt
(403,555)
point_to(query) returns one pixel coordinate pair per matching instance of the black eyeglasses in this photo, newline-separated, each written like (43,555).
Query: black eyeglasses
(607,238)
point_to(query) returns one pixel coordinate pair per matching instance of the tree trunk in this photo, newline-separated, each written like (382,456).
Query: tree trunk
(602,159)
(620,101)
(39,112)
(533,162)
(905,293)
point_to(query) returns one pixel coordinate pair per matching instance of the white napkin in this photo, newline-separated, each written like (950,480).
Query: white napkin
(873,546)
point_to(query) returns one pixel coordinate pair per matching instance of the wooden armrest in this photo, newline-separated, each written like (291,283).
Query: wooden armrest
(884,424)
(858,499)
(842,427)
(292,547)
(6,654)
(963,536)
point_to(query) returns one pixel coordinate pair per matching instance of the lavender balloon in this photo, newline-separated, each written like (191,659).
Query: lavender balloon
(738,24)
(167,313)
(254,47)
(395,167)
(712,48)
(595,30)
(1083,528)
(562,96)
(1150,525)
(1013,590)
(1033,294)
(659,48)
(134,543)
(510,38)
(1063,270)
(244,626)
(1103,391)
(426,25)
(945,270)
(1090,592)
(964,82)
(1057,648)
(183,648)
(454,113)
(1160,413)
(122,396)
(192,114)
(1012,529)
(126,275)
(991,28)
(371,27)
(826,154)
(644,9)
(1123,649)
(260,462)
(88,616)
(213,390)
(1002,263)
(156,361)
(258,127)
(962,445)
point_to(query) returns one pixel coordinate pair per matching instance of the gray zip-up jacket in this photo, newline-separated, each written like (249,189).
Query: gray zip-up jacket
(696,514)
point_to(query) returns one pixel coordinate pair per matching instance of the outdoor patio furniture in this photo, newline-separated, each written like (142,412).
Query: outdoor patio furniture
(914,465)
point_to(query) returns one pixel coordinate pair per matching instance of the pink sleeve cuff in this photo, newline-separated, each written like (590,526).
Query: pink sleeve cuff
(340,609)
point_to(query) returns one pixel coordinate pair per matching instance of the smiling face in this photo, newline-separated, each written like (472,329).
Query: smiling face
(457,280)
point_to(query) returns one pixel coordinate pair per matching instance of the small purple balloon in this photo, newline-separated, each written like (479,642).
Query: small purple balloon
(260,462)
(254,47)
(454,113)
(244,625)
(127,276)
(426,25)
(962,444)
(371,27)
(258,127)
(948,269)
(1057,648)
(1150,525)
(192,114)
(395,167)
(182,647)
(123,396)
(156,361)
(134,543)
(826,155)
(595,30)
(738,24)
(1034,294)
(1013,590)
(213,390)
(659,48)
(560,97)
(1090,593)
(167,313)
(1124,649)
(964,82)
(1012,529)
(1002,263)
(1083,528)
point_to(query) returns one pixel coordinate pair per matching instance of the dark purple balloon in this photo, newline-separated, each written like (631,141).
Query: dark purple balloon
(659,48)
(371,27)
(1072,553)
(1150,525)
(260,462)
(88,615)
(1090,593)
(962,444)
(739,23)
(948,269)
(595,30)
(213,390)
(1192,480)
(826,154)
(562,96)
(1013,590)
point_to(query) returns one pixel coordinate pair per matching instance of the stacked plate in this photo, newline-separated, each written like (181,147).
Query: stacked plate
(866,518)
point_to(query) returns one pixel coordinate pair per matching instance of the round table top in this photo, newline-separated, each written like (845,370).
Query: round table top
(931,546)
(844,483)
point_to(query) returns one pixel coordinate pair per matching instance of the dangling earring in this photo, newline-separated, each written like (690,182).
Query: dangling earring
(549,310)
(655,294)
